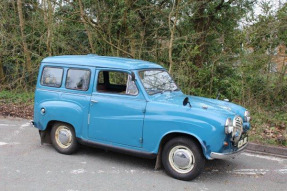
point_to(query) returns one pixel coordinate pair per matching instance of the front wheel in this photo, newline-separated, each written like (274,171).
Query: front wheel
(182,158)
(63,138)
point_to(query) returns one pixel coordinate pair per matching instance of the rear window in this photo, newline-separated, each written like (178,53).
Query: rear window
(78,79)
(52,77)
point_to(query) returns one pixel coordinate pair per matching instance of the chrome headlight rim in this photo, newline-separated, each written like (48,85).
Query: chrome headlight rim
(228,127)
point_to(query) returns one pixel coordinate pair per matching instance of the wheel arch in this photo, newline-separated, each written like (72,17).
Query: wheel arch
(45,134)
(172,135)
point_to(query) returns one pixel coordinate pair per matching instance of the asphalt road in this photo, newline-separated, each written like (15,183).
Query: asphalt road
(26,165)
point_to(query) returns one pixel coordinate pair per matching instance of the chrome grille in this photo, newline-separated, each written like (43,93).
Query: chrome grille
(237,129)
(238,122)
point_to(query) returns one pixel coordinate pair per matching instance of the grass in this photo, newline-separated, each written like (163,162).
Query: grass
(268,126)
(23,97)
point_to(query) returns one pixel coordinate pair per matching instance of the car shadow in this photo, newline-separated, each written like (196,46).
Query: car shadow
(214,169)
(115,157)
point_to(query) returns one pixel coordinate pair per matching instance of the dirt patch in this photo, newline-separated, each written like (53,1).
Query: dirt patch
(17,110)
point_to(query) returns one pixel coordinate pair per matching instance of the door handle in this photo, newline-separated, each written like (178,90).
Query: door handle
(94,101)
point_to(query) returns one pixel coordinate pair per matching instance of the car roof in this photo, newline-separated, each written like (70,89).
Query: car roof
(101,61)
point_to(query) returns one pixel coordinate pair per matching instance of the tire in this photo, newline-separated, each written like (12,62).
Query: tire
(63,138)
(182,158)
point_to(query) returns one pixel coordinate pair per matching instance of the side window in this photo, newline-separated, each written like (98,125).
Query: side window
(118,78)
(116,82)
(78,79)
(52,77)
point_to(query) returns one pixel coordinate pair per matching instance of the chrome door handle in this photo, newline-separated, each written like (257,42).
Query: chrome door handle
(94,101)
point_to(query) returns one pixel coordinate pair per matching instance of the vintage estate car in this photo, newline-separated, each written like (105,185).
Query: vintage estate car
(135,107)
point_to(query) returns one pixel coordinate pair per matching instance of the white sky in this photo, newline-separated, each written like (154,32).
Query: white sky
(276,4)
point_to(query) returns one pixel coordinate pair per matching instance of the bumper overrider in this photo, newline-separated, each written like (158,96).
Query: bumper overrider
(229,155)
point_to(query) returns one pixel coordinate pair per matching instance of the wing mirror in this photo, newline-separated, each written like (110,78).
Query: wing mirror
(186,101)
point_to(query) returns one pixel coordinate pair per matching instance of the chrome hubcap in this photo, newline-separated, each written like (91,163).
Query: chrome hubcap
(181,159)
(63,136)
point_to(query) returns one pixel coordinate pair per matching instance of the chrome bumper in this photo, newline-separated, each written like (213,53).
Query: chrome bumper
(214,155)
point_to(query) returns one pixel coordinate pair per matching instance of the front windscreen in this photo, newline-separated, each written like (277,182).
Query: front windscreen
(157,81)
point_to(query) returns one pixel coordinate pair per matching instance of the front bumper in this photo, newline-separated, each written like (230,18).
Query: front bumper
(233,154)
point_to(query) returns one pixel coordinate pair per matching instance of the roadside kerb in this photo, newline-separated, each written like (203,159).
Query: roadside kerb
(263,149)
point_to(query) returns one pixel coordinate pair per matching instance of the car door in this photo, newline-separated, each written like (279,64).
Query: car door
(117,109)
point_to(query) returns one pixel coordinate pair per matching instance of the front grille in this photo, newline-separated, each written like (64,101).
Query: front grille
(238,122)
(237,129)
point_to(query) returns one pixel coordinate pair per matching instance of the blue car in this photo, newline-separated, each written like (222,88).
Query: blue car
(134,107)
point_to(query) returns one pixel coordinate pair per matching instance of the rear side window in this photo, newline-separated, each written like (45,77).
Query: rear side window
(78,79)
(52,77)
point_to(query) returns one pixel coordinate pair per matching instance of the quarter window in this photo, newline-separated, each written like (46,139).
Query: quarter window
(78,79)
(52,77)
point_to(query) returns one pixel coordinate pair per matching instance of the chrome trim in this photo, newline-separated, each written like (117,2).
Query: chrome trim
(204,107)
(63,90)
(181,159)
(214,155)
(238,122)
(237,129)
(63,137)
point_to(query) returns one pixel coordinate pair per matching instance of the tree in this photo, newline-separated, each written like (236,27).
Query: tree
(27,54)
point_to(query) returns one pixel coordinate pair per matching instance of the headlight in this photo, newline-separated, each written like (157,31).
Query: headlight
(246,116)
(228,126)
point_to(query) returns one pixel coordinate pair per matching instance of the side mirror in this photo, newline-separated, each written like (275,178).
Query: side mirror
(186,101)
(133,76)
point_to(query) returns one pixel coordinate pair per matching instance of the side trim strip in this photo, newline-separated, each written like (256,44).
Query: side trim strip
(136,153)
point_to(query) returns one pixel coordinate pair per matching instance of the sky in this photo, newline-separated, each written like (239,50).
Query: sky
(258,11)
(276,4)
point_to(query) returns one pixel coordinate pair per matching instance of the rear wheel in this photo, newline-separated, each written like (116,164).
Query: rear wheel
(63,138)
(182,158)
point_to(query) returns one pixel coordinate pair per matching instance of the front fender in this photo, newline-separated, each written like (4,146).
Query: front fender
(207,127)
(185,133)
(209,137)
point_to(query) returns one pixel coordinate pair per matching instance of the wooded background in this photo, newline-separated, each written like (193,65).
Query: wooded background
(209,46)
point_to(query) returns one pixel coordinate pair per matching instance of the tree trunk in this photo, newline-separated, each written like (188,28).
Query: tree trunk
(86,27)
(28,64)
(201,30)
(172,30)
(48,18)
(2,76)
